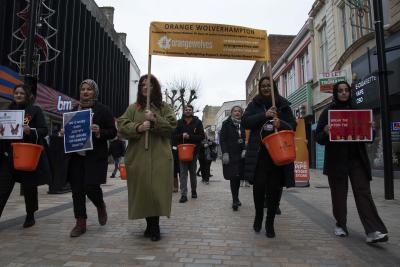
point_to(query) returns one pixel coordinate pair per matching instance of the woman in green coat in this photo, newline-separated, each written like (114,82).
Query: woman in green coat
(149,172)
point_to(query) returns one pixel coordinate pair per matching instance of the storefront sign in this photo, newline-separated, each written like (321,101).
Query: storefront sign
(365,92)
(396,126)
(11,124)
(328,79)
(301,164)
(350,125)
(208,41)
(47,98)
(77,131)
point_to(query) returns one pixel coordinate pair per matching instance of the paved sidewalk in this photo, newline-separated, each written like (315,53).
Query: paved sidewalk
(201,232)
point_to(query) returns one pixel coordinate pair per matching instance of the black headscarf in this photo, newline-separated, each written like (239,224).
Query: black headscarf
(336,102)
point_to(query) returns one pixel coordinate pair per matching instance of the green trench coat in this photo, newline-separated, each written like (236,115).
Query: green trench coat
(149,173)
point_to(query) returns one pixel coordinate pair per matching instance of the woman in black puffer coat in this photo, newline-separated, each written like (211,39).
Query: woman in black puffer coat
(232,141)
(34,118)
(267,178)
(344,160)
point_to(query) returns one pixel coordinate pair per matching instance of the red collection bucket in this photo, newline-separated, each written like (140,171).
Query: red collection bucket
(281,147)
(185,152)
(26,156)
(122,171)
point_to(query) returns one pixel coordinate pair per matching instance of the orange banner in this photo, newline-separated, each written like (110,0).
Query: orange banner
(208,41)
(301,164)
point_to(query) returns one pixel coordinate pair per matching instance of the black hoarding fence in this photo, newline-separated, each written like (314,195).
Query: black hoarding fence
(87,51)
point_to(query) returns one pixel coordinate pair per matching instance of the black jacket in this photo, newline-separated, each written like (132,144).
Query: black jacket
(96,160)
(194,129)
(233,144)
(338,154)
(34,117)
(117,148)
(253,119)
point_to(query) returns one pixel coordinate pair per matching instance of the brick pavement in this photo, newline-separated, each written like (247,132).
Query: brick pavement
(201,232)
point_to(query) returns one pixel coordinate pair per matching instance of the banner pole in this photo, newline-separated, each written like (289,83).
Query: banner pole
(148,83)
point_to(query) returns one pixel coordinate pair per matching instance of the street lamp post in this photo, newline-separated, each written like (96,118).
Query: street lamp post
(30,78)
(384,100)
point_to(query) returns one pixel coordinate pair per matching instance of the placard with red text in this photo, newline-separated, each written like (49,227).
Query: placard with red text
(350,125)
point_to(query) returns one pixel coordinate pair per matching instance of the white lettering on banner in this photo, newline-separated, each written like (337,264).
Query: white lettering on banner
(301,169)
(64,105)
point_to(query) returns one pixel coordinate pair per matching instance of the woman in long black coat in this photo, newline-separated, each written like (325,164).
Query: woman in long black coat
(33,118)
(344,160)
(268,178)
(88,169)
(232,141)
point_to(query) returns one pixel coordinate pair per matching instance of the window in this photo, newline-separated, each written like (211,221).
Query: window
(361,21)
(303,75)
(291,81)
(323,49)
(344,25)
(263,68)
(227,113)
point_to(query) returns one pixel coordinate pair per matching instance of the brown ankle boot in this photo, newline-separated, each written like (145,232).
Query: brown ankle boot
(102,214)
(80,227)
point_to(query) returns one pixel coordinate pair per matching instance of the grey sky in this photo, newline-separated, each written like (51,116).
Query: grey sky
(221,80)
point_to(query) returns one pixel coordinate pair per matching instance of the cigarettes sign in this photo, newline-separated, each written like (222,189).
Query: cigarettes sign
(208,41)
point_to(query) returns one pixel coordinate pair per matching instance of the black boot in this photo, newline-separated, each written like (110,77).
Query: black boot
(155,232)
(269,226)
(258,219)
(147,232)
(29,220)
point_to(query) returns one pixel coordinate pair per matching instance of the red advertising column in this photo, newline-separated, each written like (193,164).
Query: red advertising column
(301,164)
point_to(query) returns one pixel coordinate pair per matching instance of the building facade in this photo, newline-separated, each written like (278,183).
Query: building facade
(277,44)
(90,48)
(208,119)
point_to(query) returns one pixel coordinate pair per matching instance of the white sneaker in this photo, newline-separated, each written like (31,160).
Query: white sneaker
(376,237)
(339,231)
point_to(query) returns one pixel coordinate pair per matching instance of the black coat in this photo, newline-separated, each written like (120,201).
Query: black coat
(117,148)
(194,129)
(233,144)
(253,119)
(34,117)
(96,160)
(338,154)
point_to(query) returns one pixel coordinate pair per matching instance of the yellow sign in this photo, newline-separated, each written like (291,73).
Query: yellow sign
(301,164)
(208,41)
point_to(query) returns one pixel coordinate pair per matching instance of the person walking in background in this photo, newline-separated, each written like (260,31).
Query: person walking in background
(117,151)
(149,171)
(344,161)
(176,165)
(189,131)
(232,141)
(267,178)
(34,119)
(87,170)
(207,154)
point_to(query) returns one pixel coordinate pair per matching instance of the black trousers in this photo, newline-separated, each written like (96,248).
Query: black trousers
(205,166)
(267,185)
(235,185)
(366,208)
(6,187)
(80,189)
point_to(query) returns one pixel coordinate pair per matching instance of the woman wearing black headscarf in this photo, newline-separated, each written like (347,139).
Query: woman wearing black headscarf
(88,169)
(268,178)
(34,118)
(344,160)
